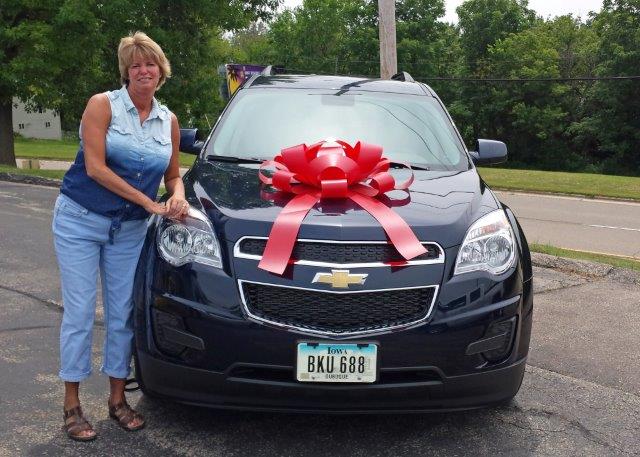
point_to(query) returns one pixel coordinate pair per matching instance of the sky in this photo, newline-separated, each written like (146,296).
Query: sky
(545,8)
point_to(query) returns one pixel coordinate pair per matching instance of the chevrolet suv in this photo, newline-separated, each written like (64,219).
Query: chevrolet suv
(350,325)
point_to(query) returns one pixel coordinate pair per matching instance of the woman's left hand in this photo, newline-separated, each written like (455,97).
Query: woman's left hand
(177,207)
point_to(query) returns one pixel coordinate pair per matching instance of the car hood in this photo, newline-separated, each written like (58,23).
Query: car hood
(439,206)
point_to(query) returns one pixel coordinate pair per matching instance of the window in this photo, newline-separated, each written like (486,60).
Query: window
(47,124)
(410,128)
(20,126)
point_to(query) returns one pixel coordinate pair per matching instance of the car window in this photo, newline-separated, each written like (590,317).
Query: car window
(410,128)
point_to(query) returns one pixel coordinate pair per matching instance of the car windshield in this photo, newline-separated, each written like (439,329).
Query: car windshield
(410,128)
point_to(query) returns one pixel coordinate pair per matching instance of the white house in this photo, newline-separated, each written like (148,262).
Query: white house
(42,123)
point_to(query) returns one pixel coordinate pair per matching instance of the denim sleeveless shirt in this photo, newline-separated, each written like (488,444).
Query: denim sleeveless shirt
(139,154)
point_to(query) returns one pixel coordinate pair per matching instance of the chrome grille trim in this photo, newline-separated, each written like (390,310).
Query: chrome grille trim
(242,255)
(261,320)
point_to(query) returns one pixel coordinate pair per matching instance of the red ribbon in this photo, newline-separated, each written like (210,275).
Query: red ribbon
(332,170)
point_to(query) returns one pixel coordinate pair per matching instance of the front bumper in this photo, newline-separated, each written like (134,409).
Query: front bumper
(246,365)
(219,389)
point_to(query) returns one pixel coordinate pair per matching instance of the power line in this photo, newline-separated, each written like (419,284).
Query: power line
(582,78)
(489,80)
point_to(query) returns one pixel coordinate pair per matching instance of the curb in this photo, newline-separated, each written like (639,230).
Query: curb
(586,268)
(564,194)
(28,179)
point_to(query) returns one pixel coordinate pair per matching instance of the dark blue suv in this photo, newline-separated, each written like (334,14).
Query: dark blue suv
(349,326)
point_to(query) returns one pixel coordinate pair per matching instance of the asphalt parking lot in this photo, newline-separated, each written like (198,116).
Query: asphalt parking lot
(580,395)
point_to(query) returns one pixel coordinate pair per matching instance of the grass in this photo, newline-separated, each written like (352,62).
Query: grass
(588,184)
(28,148)
(616,261)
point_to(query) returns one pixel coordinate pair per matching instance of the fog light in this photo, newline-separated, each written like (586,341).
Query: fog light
(505,329)
(496,343)
(162,323)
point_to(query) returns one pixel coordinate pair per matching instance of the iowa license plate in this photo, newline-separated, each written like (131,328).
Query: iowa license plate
(326,362)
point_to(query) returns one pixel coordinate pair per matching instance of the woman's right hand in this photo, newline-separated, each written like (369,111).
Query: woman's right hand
(155,208)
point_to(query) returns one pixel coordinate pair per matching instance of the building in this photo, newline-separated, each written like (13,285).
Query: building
(42,123)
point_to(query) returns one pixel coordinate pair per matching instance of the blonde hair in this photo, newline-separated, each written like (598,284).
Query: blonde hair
(139,44)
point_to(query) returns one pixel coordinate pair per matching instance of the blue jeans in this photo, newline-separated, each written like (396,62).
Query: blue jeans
(81,240)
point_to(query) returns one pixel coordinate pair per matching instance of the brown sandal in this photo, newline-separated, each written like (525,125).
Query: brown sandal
(78,424)
(124,415)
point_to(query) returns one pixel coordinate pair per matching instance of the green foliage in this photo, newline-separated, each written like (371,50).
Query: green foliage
(250,45)
(426,46)
(341,37)
(534,117)
(552,123)
(326,36)
(26,35)
(610,128)
(483,22)
(57,53)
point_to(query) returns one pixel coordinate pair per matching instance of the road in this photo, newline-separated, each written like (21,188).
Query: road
(580,396)
(605,226)
(585,224)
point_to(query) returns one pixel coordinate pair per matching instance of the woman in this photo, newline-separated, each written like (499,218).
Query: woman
(128,141)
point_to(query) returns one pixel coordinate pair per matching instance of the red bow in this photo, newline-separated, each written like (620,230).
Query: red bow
(332,170)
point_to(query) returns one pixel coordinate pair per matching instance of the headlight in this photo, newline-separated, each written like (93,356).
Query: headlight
(488,245)
(190,240)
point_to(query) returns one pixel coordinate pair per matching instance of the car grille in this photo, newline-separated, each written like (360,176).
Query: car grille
(346,313)
(341,252)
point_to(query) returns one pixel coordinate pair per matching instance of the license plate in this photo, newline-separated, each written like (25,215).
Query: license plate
(325,362)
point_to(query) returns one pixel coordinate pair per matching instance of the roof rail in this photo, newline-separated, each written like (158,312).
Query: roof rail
(403,76)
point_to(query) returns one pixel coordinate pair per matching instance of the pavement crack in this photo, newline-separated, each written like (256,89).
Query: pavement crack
(589,381)
(51,304)
(587,434)
(33,327)
(567,286)
(591,435)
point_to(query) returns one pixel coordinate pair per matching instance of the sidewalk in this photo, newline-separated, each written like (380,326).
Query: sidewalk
(59,165)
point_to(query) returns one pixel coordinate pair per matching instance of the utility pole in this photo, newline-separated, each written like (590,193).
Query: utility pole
(387,30)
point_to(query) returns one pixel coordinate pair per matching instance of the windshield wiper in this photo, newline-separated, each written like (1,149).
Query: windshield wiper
(414,166)
(234,159)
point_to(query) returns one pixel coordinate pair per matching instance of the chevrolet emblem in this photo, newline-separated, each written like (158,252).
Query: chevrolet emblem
(339,279)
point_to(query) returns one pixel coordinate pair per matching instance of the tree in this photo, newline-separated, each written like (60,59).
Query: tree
(34,67)
(482,24)
(341,36)
(313,37)
(250,45)
(534,117)
(555,123)
(57,53)
(610,128)
(427,47)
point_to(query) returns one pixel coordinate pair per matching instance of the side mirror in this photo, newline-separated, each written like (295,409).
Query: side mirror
(189,141)
(488,152)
